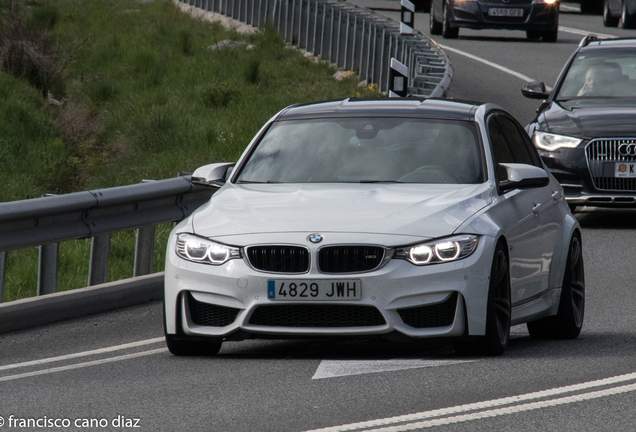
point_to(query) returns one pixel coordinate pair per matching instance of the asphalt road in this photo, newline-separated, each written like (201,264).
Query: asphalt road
(113,369)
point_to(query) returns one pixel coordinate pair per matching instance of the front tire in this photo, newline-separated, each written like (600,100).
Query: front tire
(627,21)
(608,19)
(434,26)
(498,311)
(448,32)
(180,345)
(568,321)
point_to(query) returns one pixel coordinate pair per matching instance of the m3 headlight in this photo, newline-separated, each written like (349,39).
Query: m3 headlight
(201,250)
(439,251)
(551,142)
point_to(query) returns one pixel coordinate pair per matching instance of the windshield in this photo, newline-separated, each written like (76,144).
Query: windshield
(364,150)
(600,74)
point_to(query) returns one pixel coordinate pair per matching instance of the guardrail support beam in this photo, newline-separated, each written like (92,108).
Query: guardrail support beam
(47,268)
(3,273)
(144,250)
(100,252)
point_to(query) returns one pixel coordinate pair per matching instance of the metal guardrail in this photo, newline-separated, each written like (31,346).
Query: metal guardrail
(95,214)
(354,38)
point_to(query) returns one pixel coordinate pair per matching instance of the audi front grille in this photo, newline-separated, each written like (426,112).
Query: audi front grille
(279,258)
(602,156)
(350,259)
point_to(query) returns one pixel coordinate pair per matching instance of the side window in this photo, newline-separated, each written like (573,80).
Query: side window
(500,149)
(516,143)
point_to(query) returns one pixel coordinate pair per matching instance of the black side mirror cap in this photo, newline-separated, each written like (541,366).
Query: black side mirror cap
(535,90)
(521,176)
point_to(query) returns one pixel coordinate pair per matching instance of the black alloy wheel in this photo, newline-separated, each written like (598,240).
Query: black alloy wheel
(181,345)
(434,26)
(498,311)
(568,321)
(448,32)
(608,19)
(627,21)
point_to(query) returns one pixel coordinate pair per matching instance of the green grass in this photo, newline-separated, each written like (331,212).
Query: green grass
(143,98)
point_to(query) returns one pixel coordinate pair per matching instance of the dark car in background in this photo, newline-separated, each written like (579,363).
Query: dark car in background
(585,129)
(539,18)
(619,13)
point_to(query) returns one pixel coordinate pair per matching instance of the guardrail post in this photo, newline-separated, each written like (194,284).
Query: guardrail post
(3,273)
(47,268)
(100,251)
(144,249)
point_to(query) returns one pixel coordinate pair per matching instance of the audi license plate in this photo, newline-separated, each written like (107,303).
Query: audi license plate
(315,289)
(625,169)
(505,12)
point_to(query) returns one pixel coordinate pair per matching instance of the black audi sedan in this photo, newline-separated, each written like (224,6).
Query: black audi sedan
(539,18)
(585,129)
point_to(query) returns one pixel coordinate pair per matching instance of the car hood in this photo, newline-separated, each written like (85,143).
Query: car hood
(593,118)
(420,210)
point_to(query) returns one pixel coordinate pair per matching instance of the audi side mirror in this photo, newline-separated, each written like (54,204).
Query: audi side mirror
(521,176)
(535,90)
(214,175)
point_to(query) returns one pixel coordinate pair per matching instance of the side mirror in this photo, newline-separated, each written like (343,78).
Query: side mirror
(521,176)
(535,90)
(214,175)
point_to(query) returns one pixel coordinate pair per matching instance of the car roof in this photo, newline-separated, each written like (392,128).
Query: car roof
(610,43)
(385,107)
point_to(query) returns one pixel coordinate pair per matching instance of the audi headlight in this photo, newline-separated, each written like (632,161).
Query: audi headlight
(551,142)
(202,250)
(439,251)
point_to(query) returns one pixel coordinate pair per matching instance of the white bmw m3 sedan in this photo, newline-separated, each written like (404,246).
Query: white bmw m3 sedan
(396,218)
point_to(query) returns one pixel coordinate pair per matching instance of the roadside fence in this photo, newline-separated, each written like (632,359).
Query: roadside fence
(354,38)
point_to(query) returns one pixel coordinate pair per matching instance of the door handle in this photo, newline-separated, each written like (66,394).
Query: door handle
(535,208)
(557,195)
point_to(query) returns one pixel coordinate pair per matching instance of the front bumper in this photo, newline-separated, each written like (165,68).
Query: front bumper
(572,170)
(400,294)
(475,15)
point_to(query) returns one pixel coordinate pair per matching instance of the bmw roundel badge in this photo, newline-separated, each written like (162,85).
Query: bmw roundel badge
(315,238)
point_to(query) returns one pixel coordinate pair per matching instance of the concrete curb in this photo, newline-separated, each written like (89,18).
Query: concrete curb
(46,309)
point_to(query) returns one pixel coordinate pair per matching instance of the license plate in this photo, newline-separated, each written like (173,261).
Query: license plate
(313,290)
(625,169)
(505,12)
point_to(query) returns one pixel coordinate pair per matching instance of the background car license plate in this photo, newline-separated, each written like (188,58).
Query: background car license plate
(505,12)
(316,289)
(625,169)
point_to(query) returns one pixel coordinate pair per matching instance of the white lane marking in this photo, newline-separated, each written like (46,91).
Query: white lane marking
(479,405)
(340,368)
(83,354)
(567,8)
(585,32)
(82,365)
(509,410)
(487,62)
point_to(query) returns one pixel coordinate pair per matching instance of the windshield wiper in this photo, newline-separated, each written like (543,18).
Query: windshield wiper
(379,181)
(257,182)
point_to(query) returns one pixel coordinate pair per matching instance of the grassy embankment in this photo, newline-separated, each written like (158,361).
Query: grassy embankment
(142,98)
